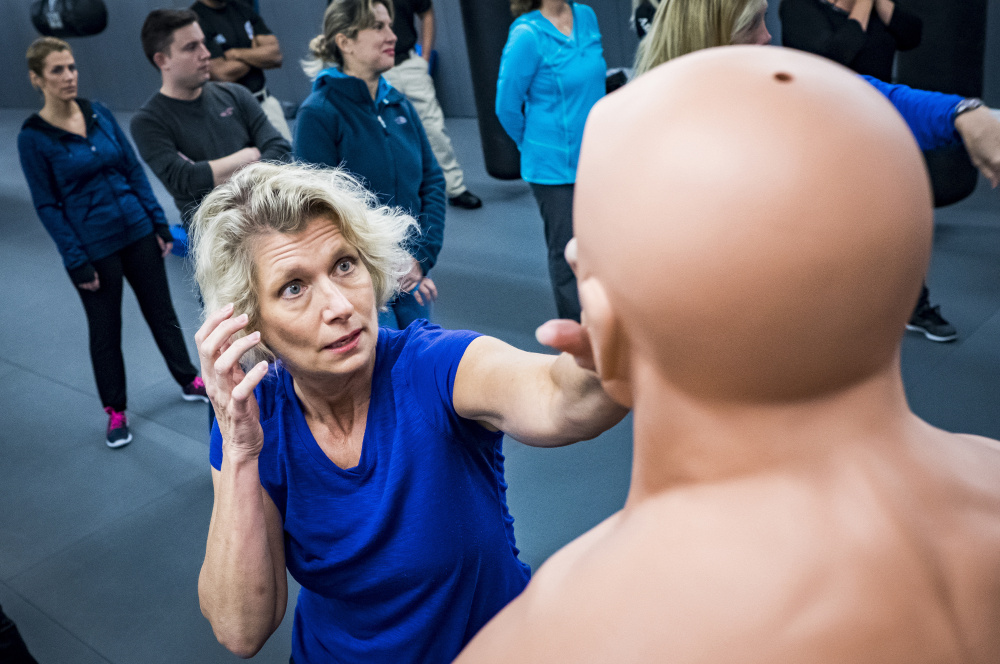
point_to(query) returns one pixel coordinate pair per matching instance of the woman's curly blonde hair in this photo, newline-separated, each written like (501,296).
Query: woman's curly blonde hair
(265,198)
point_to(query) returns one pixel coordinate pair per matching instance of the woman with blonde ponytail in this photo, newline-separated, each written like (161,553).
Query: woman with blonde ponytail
(356,119)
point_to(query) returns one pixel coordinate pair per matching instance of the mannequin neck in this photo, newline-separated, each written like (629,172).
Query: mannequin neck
(681,440)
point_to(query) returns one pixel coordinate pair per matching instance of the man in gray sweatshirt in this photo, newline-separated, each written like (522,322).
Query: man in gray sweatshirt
(193,133)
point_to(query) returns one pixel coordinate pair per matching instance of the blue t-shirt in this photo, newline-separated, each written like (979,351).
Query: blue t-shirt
(404,557)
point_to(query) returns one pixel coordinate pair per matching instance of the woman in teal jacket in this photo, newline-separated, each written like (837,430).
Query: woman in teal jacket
(356,120)
(94,200)
(551,73)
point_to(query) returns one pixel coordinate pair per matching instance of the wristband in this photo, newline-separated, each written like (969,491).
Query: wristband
(966,105)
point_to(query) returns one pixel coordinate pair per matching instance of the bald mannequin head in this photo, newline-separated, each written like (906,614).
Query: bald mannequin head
(753,225)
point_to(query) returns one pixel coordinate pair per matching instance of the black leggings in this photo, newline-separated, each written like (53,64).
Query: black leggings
(555,203)
(142,264)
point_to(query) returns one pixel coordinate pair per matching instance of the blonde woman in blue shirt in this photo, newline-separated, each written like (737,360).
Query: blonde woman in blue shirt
(551,73)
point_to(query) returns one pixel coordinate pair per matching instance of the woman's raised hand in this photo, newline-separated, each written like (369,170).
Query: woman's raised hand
(229,388)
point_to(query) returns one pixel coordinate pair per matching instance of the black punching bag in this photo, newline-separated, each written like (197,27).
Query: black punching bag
(950,59)
(486,23)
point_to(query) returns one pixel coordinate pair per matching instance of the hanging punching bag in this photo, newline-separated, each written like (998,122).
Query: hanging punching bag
(950,59)
(486,23)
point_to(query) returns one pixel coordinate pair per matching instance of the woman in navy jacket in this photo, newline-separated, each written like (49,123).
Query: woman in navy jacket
(354,118)
(95,201)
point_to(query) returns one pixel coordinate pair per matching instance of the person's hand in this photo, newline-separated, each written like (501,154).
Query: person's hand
(568,336)
(426,292)
(91,286)
(980,131)
(230,389)
(250,154)
(412,278)
(165,246)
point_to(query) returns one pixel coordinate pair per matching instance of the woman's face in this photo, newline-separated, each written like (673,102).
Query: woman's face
(373,49)
(317,303)
(59,76)
(756,33)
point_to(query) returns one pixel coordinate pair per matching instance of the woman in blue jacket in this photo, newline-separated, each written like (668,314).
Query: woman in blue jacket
(551,73)
(354,118)
(95,201)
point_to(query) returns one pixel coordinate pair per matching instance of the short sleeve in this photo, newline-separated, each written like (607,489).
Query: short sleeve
(259,27)
(430,363)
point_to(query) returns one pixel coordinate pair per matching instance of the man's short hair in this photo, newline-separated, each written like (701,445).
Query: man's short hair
(159,27)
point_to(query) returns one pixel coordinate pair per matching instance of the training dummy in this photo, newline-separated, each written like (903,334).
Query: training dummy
(753,225)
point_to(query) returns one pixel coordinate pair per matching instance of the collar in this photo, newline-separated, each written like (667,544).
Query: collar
(382,93)
(35,121)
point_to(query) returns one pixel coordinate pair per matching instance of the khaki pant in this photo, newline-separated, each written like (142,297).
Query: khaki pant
(411,79)
(274,113)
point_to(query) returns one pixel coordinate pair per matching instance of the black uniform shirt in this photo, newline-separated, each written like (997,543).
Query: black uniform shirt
(405,27)
(232,26)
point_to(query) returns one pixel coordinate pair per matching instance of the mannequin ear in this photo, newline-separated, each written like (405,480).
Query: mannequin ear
(608,340)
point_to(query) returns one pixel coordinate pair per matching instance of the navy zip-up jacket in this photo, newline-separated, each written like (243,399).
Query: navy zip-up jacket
(90,193)
(382,142)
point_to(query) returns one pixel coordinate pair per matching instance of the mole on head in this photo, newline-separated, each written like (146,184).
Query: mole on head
(753,223)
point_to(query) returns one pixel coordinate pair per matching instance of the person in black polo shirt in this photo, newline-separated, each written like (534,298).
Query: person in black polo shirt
(412,77)
(242,46)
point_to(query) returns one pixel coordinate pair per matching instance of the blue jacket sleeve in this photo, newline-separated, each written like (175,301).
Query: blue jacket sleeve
(316,137)
(928,114)
(432,204)
(518,65)
(49,205)
(135,175)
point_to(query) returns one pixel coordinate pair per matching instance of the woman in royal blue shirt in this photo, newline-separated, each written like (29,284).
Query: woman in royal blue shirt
(551,73)
(95,201)
(366,461)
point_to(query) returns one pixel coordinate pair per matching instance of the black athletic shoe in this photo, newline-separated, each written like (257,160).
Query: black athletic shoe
(928,321)
(467,200)
(118,433)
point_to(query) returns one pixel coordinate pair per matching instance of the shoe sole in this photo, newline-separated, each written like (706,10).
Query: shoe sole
(932,337)
(194,397)
(119,443)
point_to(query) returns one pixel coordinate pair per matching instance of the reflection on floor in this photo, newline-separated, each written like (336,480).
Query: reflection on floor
(100,549)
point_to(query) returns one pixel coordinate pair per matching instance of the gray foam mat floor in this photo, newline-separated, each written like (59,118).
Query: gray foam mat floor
(100,549)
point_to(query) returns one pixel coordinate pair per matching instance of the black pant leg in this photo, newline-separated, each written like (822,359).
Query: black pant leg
(104,323)
(924,301)
(12,647)
(143,266)
(555,203)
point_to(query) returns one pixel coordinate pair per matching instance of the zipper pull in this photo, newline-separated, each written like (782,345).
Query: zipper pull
(381,121)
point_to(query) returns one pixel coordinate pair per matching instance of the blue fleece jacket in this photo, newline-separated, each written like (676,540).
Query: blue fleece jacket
(90,192)
(547,85)
(383,142)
